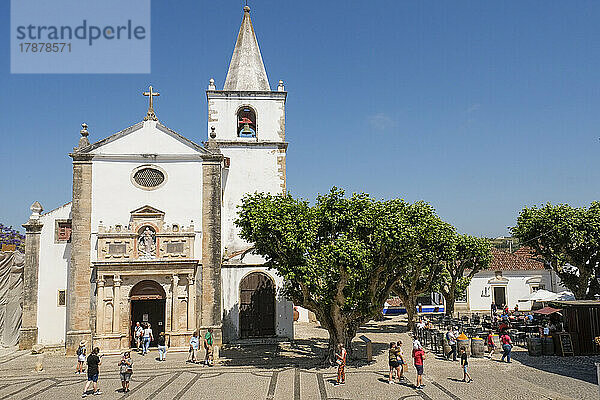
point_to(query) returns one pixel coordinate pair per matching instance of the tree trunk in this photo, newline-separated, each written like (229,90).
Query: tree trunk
(410,303)
(450,304)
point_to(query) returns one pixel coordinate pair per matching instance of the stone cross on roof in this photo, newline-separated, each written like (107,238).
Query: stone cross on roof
(150,115)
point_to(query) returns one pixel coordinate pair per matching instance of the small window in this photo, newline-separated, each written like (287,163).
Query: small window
(62,298)
(63,231)
(246,122)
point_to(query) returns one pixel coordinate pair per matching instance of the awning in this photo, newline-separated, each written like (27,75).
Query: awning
(547,311)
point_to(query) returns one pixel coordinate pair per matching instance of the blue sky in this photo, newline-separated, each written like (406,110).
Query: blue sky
(479,108)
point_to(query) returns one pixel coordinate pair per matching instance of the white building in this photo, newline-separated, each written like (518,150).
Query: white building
(510,278)
(149,234)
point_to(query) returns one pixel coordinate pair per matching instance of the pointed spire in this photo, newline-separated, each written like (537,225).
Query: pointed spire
(246,70)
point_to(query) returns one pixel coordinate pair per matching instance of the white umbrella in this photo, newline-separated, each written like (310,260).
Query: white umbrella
(566,296)
(541,295)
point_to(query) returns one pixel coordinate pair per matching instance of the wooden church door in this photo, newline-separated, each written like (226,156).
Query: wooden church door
(257,306)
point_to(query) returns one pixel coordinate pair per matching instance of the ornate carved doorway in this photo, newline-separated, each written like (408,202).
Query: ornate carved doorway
(257,306)
(148,306)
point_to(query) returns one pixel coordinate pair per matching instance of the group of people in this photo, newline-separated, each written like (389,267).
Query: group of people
(143,337)
(194,349)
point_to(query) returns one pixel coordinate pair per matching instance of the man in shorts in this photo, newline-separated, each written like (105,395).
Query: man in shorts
(93,362)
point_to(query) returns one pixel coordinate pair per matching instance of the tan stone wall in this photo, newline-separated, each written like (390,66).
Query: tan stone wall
(209,299)
(79,272)
(29,329)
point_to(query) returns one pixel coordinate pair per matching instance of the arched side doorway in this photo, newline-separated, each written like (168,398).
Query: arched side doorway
(257,306)
(148,300)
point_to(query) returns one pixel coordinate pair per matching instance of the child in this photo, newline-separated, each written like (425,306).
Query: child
(194,347)
(81,356)
(341,362)
(393,362)
(125,370)
(162,347)
(491,345)
(464,363)
(419,356)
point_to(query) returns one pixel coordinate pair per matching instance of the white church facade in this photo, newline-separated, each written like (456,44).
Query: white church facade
(149,235)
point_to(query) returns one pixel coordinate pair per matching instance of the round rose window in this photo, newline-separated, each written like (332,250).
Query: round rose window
(148,177)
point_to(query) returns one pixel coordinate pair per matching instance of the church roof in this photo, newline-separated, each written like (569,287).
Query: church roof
(246,69)
(127,131)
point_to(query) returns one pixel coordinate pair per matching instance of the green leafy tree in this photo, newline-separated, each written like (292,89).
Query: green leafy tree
(340,257)
(567,238)
(431,241)
(467,256)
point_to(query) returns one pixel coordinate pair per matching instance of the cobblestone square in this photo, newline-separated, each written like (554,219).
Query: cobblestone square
(291,371)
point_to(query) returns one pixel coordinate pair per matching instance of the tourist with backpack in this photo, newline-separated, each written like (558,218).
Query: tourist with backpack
(81,356)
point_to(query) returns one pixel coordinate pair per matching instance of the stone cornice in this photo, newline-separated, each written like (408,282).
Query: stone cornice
(81,157)
(243,143)
(33,226)
(220,94)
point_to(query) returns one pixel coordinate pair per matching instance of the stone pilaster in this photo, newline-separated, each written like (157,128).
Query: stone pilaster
(208,299)
(79,272)
(29,329)
(191,312)
(100,307)
(117,304)
(174,298)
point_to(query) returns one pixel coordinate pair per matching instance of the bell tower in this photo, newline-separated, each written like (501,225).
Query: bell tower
(248,119)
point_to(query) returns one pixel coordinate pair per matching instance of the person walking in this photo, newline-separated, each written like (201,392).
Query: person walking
(506,346)
(393,362)
(93,370)
(340,359)
(494,309)
(208,347)
(451,338)
(138,336)
(491,345)
(194,347)
(125,371)
(81,356)
(419,356)
(464,363)
(147,338)
(162,347)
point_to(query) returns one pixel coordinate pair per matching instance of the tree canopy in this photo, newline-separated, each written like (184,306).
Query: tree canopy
(341,257)
(467,256)
(567,238)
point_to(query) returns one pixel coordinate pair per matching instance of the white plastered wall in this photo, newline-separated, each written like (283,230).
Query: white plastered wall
(114,195)
(52,277)
(251,170)
(519,285)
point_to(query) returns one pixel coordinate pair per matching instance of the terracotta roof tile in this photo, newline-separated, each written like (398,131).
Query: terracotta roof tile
(521,260)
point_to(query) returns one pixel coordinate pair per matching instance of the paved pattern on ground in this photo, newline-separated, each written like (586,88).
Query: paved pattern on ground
(287,371)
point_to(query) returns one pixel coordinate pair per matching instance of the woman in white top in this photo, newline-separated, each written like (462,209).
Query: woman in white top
(147,337)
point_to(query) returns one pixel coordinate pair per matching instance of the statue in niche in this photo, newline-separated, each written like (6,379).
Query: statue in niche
(147,244)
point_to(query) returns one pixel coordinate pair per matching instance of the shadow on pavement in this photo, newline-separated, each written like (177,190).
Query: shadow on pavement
(578,367)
